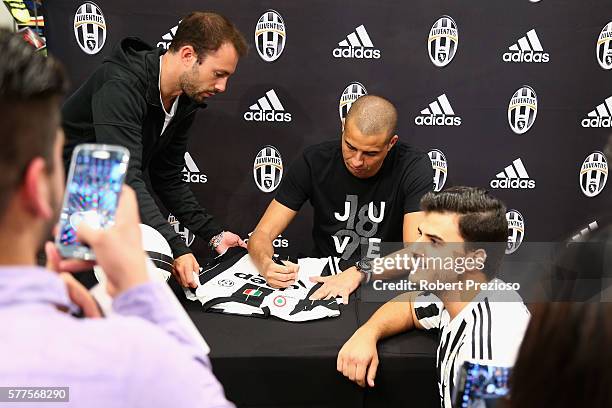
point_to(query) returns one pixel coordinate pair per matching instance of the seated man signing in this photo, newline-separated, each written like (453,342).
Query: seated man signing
(365,189)
(478,317)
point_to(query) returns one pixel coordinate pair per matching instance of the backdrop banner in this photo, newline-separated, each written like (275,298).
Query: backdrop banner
(512,96)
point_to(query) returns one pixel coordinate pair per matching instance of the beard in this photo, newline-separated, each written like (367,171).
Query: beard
(188,82)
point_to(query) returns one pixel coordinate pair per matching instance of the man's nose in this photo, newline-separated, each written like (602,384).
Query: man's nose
(357,159)
(221,85)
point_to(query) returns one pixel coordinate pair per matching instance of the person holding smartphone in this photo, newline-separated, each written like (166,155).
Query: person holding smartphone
(148,354)
(146,99)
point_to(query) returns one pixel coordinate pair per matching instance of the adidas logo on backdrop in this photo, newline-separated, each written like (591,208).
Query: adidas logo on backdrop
(527,49)
(268,109)
(514,176)
(167,38)
(439,113)
(357,45)
(191,172)
(600,117)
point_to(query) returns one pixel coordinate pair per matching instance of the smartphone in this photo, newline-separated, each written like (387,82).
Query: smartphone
(479,384)
(95,178)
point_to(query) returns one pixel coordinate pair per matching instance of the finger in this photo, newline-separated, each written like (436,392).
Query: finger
(320,293)
(278,284)
(75,265)
(87,235)
(53,256)
(192,282)
(345,366)
(292,267)
(331,294)
(186,277)
(352,371)
(319,279)
(372,371)
(81,296)
(360,373)
(345,296)
(283,277)
(242,243)
(191,270)
(339,361)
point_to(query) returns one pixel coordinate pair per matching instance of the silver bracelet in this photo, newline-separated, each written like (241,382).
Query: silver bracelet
(216,240)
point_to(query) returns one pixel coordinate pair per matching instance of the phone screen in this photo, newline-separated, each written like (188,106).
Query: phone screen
(95,179)
(479,382)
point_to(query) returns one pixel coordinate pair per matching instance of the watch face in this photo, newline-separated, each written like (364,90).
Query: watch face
(365,265)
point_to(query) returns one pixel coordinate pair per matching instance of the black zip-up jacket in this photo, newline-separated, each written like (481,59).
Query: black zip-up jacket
(120,104)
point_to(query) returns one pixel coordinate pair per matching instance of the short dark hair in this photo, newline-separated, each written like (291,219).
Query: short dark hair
(482,219)
(30,87)
(206,32)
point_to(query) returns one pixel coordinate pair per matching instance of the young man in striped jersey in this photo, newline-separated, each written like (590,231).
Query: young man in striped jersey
(486,325)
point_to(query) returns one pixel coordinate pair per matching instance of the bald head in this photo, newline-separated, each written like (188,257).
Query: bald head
(373,115)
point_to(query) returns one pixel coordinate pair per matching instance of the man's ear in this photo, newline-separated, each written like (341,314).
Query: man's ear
(393,141)
(35,190)
(188,55)
(480,257)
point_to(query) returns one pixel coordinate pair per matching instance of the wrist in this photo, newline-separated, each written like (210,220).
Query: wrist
(370,331)
(356,273)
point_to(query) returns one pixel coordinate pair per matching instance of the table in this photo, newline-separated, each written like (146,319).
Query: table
(273,363)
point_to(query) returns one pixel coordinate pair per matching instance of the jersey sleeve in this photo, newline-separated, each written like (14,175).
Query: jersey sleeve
(295,188)
(417,183)
(428,310)
(508,328)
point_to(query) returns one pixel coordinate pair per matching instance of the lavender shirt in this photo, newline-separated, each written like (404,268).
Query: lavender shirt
(142,356)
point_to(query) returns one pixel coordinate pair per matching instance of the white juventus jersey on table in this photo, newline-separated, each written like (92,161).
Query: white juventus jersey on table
(234,286)
(486,330)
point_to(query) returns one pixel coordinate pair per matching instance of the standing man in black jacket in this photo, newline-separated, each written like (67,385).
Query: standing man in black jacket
(145,99)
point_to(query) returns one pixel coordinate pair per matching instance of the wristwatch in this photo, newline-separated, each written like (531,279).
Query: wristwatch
(216,240)
(364,265)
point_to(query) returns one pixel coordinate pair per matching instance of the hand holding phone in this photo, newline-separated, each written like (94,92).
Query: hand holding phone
(95,178)
(118,248)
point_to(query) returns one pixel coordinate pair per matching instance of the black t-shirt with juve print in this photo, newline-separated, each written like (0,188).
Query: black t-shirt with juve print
(352,214)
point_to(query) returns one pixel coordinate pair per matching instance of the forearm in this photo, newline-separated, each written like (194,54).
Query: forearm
(260,248)
(392,318)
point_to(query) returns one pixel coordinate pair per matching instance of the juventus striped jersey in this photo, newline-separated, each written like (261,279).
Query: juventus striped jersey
(487,329)
(233,285)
